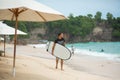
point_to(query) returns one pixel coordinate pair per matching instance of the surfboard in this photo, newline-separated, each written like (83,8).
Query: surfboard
(60,51)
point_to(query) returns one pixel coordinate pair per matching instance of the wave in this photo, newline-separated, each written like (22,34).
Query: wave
(110,56)
(38,45)
(98,54)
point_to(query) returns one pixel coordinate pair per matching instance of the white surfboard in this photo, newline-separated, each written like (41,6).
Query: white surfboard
(60,51)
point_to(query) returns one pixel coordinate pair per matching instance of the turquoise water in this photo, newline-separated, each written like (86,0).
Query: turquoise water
(111,50)
(105,49)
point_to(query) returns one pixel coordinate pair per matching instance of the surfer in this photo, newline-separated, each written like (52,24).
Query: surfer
(60,40)
(72,49)
(102,50)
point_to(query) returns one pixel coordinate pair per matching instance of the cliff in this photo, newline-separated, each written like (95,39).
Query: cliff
(102,32)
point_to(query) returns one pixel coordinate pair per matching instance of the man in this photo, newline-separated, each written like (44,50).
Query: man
(60,40)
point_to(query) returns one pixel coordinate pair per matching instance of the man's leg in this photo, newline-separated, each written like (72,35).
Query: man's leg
(61,64)
(57,62)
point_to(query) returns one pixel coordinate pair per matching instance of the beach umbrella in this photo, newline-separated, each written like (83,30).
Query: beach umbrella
(26,10)
(1,39)
(6,30)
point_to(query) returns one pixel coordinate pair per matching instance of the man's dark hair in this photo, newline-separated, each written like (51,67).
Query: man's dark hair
(59,34)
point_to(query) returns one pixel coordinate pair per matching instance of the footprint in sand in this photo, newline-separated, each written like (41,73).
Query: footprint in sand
(24,65)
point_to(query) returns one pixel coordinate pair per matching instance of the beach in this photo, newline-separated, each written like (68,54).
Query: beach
(36,64)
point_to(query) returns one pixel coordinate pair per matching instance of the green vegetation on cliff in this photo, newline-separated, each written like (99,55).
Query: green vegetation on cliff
(73,27)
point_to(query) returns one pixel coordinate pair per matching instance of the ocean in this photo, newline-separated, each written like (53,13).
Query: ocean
(109,50)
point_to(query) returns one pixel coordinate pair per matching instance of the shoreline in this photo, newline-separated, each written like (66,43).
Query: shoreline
(77,68)
(109,56)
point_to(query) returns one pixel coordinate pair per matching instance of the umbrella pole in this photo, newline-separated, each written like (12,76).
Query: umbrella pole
(4,44)
(15,41)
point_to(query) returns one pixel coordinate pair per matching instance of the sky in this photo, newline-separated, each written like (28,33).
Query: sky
(84,7)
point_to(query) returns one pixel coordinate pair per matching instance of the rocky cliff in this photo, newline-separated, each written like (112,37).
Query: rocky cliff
(102,32)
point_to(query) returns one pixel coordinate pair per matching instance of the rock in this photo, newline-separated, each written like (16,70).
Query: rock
(97,31)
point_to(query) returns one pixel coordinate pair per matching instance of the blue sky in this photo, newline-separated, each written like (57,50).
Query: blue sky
(84,7)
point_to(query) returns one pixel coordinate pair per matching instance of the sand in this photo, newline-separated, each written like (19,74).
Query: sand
(37,64)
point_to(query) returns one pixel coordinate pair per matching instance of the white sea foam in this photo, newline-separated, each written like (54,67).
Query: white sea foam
(38,45)
(85,52)
(99,54)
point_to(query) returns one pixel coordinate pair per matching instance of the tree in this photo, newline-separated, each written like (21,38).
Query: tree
(116,28)
(75,27)
(71,16)
(109,17)
(90,15)
(22,27)
(98,16)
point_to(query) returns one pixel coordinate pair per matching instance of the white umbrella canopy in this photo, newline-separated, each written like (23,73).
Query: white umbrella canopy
(6,30)
(29,10)
(1,39)
(26,10)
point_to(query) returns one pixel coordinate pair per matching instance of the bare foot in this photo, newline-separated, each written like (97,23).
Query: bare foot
(56,67)
(62,69)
